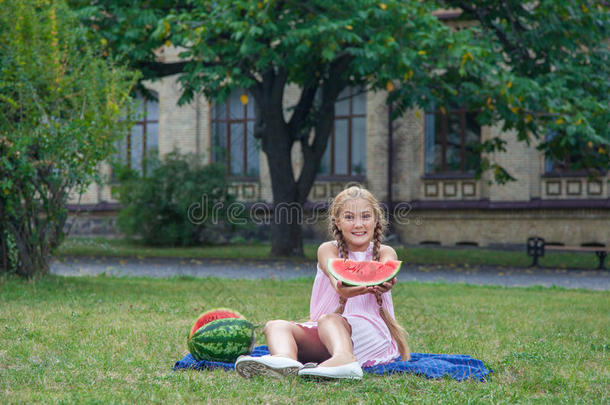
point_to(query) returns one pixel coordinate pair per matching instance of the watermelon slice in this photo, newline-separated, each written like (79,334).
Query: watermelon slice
(366,273)
(214,314)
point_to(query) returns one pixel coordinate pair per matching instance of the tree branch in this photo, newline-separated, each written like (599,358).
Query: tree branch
(332,86)
(482,16)
(303,109)
(161,69)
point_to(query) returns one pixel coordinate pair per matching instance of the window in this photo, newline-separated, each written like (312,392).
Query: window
(233,141)
(345,154)
(572,162)
(143,139)
(451,140)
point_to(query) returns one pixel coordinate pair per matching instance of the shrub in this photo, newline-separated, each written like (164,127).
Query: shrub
(60,110)
(181,201)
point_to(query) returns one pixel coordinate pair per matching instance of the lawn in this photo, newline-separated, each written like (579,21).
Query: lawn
(114,340)
(261,251)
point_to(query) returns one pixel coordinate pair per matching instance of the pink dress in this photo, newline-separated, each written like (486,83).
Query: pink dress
(372,341)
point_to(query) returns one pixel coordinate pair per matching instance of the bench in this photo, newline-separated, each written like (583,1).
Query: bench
(537,246)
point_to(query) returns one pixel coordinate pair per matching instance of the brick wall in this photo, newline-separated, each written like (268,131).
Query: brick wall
(187,128)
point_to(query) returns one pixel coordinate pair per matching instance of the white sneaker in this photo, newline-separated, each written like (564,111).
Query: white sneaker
(351,371)
(270,366)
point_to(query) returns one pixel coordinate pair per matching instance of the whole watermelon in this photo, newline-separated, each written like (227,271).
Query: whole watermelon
(213,315)
(222,340)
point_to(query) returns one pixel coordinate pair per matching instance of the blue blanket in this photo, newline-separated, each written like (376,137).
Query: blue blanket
(456,366)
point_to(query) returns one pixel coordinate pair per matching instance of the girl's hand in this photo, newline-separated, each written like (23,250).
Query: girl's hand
(382,288)
(350,291)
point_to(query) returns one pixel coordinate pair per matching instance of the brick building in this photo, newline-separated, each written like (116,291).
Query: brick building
(431,176)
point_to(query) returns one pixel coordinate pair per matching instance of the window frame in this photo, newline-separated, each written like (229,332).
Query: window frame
(228,121)
(551,169)
(331,175)
(444,172)
(143,123)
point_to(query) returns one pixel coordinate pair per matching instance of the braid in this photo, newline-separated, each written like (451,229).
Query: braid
(342,246)
(397,332)
(341,307)
(378,235)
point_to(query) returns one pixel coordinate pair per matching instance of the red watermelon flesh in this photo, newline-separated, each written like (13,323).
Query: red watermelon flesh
(213,315)
(366,273)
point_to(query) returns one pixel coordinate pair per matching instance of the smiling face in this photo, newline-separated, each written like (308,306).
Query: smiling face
(356,221)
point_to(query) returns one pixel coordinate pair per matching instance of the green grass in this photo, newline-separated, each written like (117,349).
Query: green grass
(114,340)
(125,248)
(261,251)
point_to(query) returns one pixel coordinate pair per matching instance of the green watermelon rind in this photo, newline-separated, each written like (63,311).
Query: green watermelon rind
(349,282)
(222,340)
(193,330)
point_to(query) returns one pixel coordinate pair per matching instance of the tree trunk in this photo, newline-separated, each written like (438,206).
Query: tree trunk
(28,237)
(278,137)
(286,233)
(32,254)
(286,237)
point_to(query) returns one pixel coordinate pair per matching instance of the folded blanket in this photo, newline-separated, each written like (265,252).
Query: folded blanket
(456,366)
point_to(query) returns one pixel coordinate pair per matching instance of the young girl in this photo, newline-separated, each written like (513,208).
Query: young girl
(350,327)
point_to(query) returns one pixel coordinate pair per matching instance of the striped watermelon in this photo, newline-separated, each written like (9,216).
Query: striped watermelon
(222,340)
(212,315)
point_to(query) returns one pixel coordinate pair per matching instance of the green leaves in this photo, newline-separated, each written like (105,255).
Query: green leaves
(60,118)
(532,68)
(302,38)
(154,205)
(541,69)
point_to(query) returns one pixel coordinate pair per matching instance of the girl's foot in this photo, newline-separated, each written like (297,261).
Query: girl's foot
(339,359)
(270,366)
(351,371)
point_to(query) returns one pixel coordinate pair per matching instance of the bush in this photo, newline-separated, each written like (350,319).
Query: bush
(180,202)
(60,115)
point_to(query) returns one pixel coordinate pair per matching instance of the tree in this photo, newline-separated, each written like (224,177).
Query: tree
(59,117)
(541,69)
(324,46)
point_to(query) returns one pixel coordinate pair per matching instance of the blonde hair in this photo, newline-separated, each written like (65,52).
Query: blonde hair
(336,207)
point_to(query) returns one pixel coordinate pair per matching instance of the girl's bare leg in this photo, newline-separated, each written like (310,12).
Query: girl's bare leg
(287,339)
(335,333)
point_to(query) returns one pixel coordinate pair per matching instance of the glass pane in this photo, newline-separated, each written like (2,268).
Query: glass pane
(359,102)
(139,103)
(152,110)
(253,148)
(453,153)
(152,136)
(250,106)
(341,146)
(429,143)
(121,153)
(237,149)
(121,149)
(342,104)
(236,108)
(549,163)
(219,111)
(438,143)
(359,146)
(136,147)
(219,142)
(473,139)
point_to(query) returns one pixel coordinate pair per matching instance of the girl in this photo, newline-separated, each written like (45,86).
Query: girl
(350,327)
